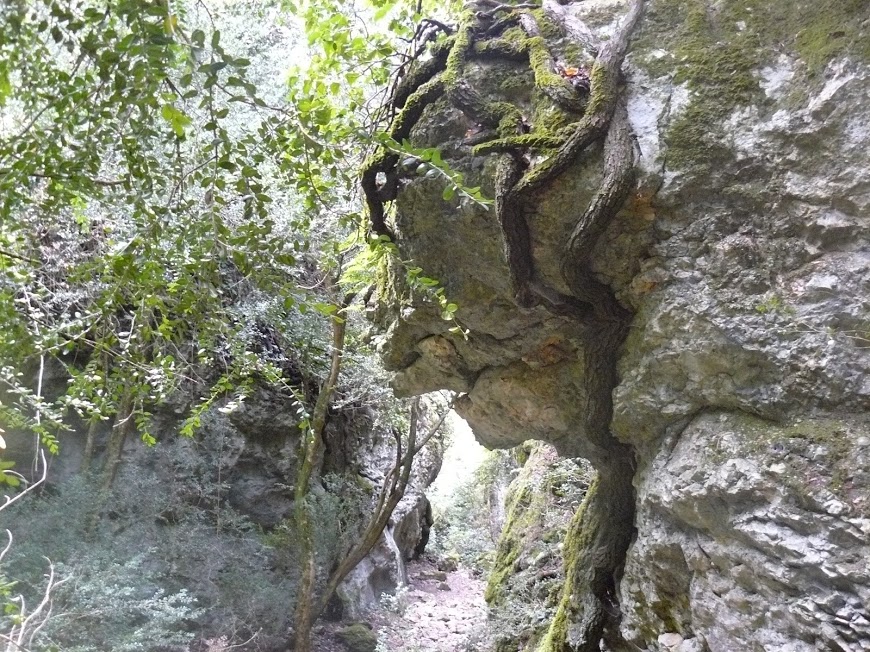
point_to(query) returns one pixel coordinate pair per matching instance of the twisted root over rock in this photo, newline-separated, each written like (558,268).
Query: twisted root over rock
(602,530)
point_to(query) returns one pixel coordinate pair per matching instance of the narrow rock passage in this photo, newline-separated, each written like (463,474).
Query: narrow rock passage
(444,612)
(439,612)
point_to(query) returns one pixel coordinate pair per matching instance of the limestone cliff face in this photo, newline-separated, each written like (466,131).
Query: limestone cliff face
(743,257)
(213,513)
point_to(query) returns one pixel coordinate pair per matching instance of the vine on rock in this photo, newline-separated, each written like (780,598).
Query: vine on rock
(591,101)
(517,184)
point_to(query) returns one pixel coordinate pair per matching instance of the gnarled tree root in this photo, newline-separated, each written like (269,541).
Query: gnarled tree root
(595,547)
(601,531)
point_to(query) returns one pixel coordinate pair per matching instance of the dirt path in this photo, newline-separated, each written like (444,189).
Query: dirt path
(439,612)
(445,612)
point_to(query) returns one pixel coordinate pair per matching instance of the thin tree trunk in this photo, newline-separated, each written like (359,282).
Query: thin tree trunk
(391,494)
(305,611)
(114,452)
(88,455)
(90,442)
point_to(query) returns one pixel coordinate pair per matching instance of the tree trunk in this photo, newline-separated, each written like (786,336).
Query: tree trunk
(305,614)
(123,425)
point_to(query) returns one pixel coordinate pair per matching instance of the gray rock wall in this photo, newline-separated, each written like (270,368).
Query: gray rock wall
(754,535)
(744,379)
(744,255)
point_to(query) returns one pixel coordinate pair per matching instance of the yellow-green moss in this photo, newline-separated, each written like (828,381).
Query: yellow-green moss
(532,496)
(549,82)
(668,615)
(525,141)
(511,44)
(550,29)
(717,55)
(602,89)
(510,543)
(578,539)
(816,30)
(390,282)
(414,107)
(458,53)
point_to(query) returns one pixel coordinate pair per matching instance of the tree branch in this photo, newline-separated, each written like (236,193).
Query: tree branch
(24,259)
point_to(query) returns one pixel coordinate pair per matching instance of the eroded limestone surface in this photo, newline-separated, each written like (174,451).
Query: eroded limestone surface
(743,257)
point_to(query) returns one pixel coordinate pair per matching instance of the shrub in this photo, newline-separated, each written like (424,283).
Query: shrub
(154,571)
(107,605)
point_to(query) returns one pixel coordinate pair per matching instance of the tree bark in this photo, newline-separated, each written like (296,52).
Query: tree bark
(114,452)
(311,449)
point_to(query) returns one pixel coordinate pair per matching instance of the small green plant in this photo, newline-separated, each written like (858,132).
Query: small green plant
(372,263)
(775,304)
(396,603)
(427,162)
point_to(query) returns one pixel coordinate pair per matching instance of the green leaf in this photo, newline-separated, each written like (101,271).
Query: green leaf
(213,68)
(5,83)
(178,120)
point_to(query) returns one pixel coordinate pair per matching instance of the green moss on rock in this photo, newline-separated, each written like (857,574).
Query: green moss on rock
(525,141)
(358,637)
(718,51)
(527,576)
(577,541)
(547,81)
(458,53)
(510,543)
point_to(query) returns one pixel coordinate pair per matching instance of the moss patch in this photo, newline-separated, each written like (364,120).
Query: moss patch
(577,541)
(526,581)
(835,437)
(717,51)
(520,524)
(526,141)
(358,638)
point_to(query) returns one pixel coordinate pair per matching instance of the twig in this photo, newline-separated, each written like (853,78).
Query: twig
(434,429)
(31,487)
(24,259)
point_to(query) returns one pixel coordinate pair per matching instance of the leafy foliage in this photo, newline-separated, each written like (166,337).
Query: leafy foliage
(165,200)
(136,211)
(154,183)
(465,526)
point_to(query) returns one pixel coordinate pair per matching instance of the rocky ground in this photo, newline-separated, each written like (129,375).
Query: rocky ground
(439,612)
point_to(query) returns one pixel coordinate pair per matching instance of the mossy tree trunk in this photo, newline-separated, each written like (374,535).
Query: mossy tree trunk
(595,547)
(312,446)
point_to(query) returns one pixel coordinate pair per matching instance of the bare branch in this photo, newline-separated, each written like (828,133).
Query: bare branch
(31,487)
(25,259)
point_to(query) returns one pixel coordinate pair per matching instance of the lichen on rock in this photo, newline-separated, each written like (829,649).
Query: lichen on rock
(738,267)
